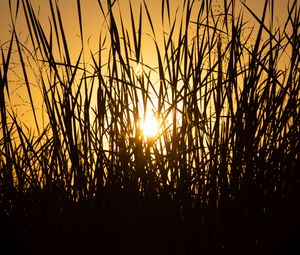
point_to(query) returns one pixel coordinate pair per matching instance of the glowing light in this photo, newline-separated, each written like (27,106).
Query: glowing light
(150,126)
(139,69)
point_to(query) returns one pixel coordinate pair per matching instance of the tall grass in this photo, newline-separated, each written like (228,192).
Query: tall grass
(221,176)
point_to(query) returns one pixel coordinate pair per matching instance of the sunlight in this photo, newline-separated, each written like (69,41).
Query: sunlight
(139,69)
(150,126)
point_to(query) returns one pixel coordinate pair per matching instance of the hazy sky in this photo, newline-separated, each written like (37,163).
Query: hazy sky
(93,21)
(91,12)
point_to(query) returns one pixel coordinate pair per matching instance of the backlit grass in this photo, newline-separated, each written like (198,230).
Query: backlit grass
(217,173)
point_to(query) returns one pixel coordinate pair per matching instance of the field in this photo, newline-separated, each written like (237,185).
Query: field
(220,174)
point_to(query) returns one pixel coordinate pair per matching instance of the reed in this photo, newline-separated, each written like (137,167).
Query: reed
(222,176)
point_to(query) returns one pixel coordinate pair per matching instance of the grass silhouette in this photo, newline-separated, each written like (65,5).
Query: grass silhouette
(221,177)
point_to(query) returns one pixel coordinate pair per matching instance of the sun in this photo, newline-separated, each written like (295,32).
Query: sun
(150,126)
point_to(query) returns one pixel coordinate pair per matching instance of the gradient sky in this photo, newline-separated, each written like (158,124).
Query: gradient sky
(93,21)
(91,12)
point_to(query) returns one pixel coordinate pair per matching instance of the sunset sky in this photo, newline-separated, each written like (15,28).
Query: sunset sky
(93,24)
(92,16)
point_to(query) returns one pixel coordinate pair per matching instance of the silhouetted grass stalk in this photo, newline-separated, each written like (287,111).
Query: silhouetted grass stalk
(229,113)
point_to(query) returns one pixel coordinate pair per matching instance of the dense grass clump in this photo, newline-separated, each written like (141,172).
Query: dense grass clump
(222,174)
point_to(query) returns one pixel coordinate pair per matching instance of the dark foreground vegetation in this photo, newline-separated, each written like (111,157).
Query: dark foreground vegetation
(221,177)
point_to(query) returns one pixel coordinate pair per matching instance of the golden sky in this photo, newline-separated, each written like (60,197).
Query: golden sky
(92,16)
(93,19)
(93,22)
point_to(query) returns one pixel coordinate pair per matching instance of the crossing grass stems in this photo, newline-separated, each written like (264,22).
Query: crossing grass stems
(222,175)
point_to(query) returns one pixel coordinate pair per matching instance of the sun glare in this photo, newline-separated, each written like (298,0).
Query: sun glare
(150,126)
(139,69)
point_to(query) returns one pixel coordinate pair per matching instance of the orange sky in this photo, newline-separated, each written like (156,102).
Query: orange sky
(91,12)
(93,20)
